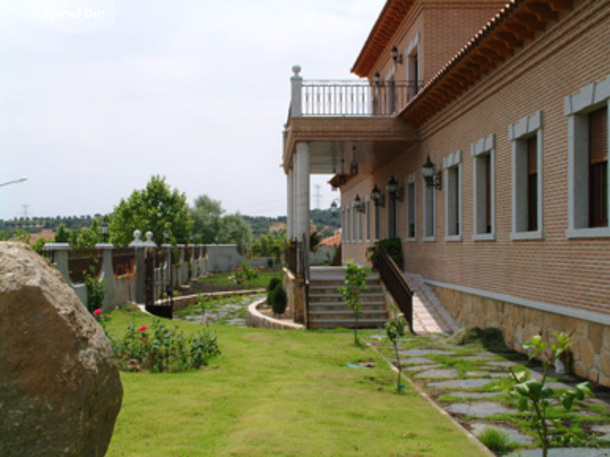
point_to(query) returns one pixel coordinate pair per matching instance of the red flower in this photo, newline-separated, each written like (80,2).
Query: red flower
(97,312)
(207,324)
(143,328)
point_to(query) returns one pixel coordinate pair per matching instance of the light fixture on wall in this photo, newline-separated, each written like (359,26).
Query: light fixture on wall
(334,206)
(359,204)
(432,178)
(377,196)
(396,56)
(377,79)
(395,190)
(353,168)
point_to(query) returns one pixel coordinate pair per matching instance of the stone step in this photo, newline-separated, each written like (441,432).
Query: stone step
(317,298)
(335,291)
(317,306)
(340,315)
(346,323)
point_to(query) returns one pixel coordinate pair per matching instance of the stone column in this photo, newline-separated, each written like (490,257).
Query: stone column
(290,206)
(140,263)
(60,257)
(296,104)
(302,165)
(107,275)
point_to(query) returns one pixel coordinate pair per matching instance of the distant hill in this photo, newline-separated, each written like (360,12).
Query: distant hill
(324,221)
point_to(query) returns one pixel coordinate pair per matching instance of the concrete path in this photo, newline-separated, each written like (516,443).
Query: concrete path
(429,316)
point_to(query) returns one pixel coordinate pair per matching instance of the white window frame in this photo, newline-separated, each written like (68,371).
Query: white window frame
(360,221)
(478,150)
(519,133)
(453,163)
(429,212)
(411,197)
(577,107)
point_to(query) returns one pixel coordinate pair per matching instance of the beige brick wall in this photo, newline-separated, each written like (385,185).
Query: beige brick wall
(575,273)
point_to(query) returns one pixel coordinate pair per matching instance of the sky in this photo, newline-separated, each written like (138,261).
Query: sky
(93,102)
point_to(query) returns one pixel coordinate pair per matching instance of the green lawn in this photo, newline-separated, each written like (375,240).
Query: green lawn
(274,393)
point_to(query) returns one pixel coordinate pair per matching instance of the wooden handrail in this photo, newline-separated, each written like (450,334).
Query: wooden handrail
(395,283)
(305,254)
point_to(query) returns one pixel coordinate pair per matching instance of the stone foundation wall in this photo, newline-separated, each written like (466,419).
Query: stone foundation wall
(591,341)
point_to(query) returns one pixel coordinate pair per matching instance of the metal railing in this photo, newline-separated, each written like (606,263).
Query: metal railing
(356,98)
(395,283)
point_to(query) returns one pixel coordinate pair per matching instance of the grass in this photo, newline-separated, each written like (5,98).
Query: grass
(226,281)
(274,393)
(496,440)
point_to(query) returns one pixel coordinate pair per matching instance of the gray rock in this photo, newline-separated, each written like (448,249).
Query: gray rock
(60,391)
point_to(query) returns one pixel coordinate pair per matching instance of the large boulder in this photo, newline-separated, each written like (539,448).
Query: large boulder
(60,391)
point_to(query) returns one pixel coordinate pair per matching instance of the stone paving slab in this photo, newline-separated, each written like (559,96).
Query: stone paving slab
(447,373)
(604,430)
(423,352)
(412,368)
(479,409)
(562,452)
(514,436)
(473,395)
(460,384)
(416,361)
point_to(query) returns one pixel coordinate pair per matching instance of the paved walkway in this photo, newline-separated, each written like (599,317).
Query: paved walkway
(429,316)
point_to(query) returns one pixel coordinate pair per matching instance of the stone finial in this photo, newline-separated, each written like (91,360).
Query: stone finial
(296,70)
(137,235)
(149,241)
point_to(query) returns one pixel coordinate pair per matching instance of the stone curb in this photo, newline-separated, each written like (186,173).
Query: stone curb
(258,320)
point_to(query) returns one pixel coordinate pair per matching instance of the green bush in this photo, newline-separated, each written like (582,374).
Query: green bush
(273,283)
(160,349)
(278,299)
(393,246)
(495,440)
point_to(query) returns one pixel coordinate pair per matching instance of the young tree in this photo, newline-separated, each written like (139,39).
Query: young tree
(233,229)
(206,216)
(156,208)
(355,284)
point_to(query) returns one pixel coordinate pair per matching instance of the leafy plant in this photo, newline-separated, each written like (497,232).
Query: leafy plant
(393,246)
(96,289)
(160,349)
(273,282)
(534,395)
(395,329)
(495,440)
(355,284)
(279,299)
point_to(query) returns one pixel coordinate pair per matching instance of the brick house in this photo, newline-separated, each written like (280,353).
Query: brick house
(507,106)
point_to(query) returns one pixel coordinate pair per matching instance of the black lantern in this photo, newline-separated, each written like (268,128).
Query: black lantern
(396,56)
(359,204)
(394,190)
(432,178)
(377,196)
(104,230)
(377,78)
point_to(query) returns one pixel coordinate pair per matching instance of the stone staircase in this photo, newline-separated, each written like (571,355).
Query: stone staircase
(328,310)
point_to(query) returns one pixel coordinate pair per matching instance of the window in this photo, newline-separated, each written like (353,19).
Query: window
(429,216)
(453,196)
(484,188)
(598,168)
(413,67)
(588,161)
(411,201)
(526,137)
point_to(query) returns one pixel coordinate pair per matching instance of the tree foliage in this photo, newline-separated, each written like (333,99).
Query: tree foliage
(206,216)
(234,230)
(156,208)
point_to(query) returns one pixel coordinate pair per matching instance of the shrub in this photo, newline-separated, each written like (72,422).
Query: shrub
(160,349)
(278,299)
(273,282)
(495,440)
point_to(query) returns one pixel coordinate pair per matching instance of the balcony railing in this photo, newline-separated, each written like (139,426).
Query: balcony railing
(361,98)
(356,98)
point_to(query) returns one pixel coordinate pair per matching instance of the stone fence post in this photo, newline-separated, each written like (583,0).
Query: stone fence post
(107,275)
(296,100)
(59,256)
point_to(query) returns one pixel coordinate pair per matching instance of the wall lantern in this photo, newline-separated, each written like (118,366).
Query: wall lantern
(377,196)
(334,207)
(393,189)
(396,56)
(359,204)
(432,178)
(377,79)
